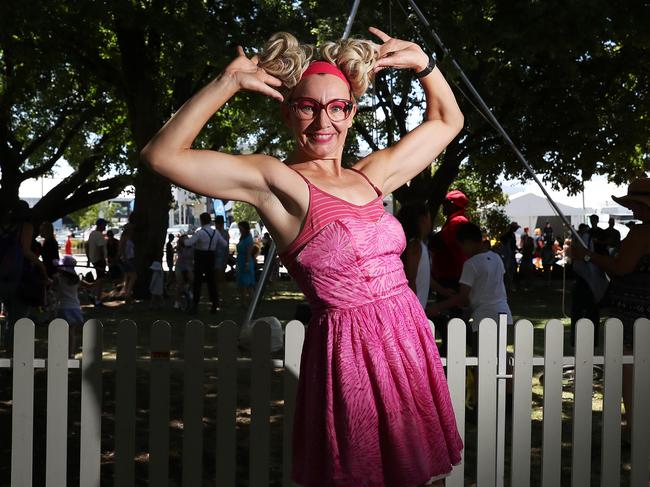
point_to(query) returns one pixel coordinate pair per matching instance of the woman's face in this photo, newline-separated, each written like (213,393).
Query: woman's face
(320,138)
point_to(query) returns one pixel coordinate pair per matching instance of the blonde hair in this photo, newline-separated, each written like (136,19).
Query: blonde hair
(286,59)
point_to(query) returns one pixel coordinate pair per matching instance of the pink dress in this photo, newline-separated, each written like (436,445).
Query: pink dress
(373,407)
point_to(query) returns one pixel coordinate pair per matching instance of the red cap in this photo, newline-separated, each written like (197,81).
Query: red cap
(457,198)
(323,67)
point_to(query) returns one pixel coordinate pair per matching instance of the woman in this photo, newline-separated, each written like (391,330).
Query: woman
(416,222)
(629,291)
(49,248)
(373,407)
(127,261)
(245,267)
(183,267)
(17,259)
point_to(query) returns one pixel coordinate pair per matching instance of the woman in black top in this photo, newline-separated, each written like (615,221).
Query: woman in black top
(49,248)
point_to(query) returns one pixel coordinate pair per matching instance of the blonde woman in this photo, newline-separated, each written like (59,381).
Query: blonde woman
(373,407)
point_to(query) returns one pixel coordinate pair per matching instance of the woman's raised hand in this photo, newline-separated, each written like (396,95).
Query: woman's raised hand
(396,53)
(250,77)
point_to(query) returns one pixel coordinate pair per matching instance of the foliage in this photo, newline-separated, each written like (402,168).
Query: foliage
(244,212)
(87,217)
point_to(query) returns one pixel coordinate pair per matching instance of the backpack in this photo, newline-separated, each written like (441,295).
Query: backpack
(11,256)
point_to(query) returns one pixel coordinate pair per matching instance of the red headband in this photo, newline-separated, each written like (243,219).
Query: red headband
(323,67)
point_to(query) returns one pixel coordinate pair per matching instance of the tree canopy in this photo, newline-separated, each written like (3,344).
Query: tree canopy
(92,82)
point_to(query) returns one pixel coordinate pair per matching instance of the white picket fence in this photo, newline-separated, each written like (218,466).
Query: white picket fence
(492,367)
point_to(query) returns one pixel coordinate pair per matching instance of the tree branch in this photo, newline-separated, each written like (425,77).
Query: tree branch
(363,131)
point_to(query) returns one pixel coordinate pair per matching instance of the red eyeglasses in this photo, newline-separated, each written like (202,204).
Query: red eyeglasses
(307,108)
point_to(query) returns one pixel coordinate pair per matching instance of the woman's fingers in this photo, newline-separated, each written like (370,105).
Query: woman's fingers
(240,51)
(255,59)
(382,35)
(272,80)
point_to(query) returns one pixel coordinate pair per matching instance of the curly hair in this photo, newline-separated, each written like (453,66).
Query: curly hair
(286,59)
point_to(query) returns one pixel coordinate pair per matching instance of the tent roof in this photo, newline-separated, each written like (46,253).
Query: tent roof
(531,204)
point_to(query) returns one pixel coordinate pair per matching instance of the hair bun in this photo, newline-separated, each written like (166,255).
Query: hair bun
(285,58)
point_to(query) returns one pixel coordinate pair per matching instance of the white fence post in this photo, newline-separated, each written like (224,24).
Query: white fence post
(486,441)
(226,456)
(91,404)
(456,370)
(611,434)
(22,404)
(552,425)
(57,404)
(522,377)
(159,404)
(125,393)
(582,404)
(294,337)
(641,431)
(260,433)
(193,404)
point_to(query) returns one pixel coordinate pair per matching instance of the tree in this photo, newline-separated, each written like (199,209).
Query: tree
(47,112)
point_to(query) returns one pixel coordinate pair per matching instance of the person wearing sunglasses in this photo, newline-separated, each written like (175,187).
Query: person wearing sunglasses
(372,406)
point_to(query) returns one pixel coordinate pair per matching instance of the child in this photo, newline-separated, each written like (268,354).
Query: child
(156,285)
(482,288)
(68,307)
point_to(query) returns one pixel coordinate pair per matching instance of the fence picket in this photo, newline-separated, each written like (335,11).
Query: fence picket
(487,404)
(22,404)
(227,334)
(552,420)
(582,404)
(612,389)
(91,404)
(159,405)
(193,405)
(294,337)
(57,404)
(260,405)
(125,393)
(456,370)
(522,377)
(641,432)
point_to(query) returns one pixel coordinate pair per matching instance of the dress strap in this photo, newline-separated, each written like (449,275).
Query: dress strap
(300,174)
(377,190)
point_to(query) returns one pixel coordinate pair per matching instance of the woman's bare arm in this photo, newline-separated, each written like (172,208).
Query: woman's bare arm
(392,167)
(207,172)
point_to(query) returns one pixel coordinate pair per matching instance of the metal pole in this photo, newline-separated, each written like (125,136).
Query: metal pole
(259,287)
(495,122)
(353,14)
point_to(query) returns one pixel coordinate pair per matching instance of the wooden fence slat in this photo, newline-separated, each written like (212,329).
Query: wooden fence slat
(91,404)
(641,405)
(226,460)
(57,404)
(552,421)
(502,361)
(125,394)
(159,404)
(22,404)
(582,404)
(294,337)
(522,377)
(456,370)
(610,473)
(260,432)
(193,404)
(486,442)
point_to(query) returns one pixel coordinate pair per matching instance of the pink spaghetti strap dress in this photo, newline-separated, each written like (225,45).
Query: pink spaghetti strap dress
(373,406)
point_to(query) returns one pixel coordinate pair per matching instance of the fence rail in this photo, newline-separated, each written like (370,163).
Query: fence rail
(495,366)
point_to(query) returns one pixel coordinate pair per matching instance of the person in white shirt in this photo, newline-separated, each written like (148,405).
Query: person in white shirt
(204,241)
(96,252)
(482,287)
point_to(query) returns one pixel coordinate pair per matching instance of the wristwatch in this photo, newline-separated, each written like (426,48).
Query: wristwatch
(587,258)
(429,68)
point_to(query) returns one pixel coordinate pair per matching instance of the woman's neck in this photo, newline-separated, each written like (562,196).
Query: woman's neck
(331,165)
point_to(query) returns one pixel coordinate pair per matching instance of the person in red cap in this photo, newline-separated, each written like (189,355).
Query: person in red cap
(448,256)
(372,401)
